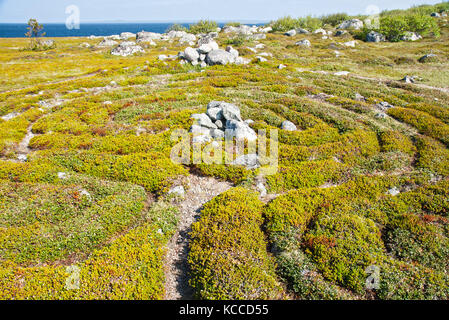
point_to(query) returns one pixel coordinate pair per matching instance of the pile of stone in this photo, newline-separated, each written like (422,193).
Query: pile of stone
(209,53)
(221,120)
(252,33)
(126,48)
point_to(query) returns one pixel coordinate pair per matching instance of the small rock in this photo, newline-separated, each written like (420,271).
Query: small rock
(304,43)
(250,161)
(393,191)
(261,187)
(203,120)
(408,79)
(288,126)
(62,175)
(177,191)
(290,33)
(431,57)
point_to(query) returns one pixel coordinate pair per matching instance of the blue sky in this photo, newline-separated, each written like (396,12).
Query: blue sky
(186,10)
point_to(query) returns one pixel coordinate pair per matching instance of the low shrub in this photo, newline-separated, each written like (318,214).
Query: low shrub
(228,253)
(203,26)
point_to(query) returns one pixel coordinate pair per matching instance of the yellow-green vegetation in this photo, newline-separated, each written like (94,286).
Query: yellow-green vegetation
(228,253)
(85,143)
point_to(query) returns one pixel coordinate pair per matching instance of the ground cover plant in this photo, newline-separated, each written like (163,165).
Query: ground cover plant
(87,208)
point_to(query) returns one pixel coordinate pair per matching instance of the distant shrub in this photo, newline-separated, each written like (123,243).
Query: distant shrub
(334,19)
(310,23)
(203,26)
(233,24)
(395,27)
(285,24)
(176,27)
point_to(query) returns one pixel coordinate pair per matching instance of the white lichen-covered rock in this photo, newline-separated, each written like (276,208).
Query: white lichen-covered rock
(355,24)
(241,60)
(304,43)
(188,38)
(320,31)
(262,189)
(350,44)
(240,130)
(191,54)
(266,30)
(232,51)
(411,36)
(126,48)
(205,48)
(204,121)
(219,57)
(288,126)
(302,31)
(393,191)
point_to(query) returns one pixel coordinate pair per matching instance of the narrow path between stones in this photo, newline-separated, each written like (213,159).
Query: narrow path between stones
(201,190)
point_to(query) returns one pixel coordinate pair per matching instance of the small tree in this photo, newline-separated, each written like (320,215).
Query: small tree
(34,33)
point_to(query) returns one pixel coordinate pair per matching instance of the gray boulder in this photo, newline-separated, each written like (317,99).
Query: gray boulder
(219,57)
(205,48)
(215,113)
(203,120)
(240,130)
(355,24)
(374,36)
(191,54)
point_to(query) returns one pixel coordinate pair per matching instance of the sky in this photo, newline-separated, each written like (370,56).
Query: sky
(47,11)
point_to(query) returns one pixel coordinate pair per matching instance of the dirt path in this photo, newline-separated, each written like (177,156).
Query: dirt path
(201,190)
(56,81)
